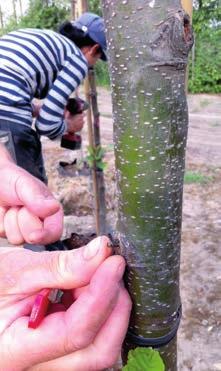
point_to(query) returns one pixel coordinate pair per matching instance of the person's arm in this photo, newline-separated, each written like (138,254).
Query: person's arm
(51,121)
(73,123)
(85,335)
(28,210)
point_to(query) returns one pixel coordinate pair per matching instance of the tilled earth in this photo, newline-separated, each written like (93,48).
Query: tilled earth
(199,337)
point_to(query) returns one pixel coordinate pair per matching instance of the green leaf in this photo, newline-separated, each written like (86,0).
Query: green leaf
(90,161)
(101,165)
(91,150)
(90,158)
(144,359)
(99,152)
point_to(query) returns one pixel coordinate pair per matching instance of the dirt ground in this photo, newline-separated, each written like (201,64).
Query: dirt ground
(199,339)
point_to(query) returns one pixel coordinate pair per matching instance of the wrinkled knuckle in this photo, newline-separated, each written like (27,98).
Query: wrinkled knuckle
(61,266)
(73,344)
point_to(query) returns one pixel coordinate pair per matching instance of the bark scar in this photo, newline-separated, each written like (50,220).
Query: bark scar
(188,33)
(173,39)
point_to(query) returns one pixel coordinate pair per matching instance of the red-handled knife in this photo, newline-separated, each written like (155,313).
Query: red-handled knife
(41,305)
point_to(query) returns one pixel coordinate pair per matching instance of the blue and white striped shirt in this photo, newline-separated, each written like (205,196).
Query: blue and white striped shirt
(38,64)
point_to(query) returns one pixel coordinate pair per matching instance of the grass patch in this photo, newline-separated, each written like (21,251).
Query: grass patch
(194,177)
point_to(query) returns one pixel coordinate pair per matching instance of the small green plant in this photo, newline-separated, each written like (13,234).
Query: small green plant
(144,359)
(194,177)
(95,157)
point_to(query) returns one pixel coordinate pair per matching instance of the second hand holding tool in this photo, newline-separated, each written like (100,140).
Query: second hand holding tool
(74,106)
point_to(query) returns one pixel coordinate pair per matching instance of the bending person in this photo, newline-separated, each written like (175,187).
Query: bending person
(46,65)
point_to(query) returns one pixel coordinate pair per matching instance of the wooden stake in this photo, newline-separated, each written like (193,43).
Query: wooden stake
(91,144)
(73,9)
(97,177)
(83,6)
(101,210)
(188,7)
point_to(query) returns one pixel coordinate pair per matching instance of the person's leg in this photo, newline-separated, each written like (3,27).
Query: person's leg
(28,151)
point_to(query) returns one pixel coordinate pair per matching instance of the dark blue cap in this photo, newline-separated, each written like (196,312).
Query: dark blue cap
(93,26)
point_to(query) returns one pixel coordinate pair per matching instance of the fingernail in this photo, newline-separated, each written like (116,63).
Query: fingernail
(92,248)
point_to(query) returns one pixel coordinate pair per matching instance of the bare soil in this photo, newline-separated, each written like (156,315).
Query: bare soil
(199,338)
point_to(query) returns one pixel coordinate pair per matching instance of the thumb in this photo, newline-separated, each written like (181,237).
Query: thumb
(64,269)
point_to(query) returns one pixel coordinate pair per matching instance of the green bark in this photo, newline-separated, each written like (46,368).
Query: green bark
(148,51)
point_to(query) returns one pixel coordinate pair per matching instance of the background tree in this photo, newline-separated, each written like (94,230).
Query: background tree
(40,14)
(21,7)
(14,10)
(1,18)
(205,63)
(148,44)
(95,6)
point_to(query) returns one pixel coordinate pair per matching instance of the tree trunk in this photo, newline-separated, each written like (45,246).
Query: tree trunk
(82,6)
(148,43)
(73,9)
(14,10)
(1,19)
(21,9)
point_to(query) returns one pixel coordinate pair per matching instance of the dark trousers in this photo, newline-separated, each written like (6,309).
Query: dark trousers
(28,153)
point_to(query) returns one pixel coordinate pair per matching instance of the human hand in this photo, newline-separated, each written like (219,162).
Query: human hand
(88,335)
(74,122)
(28,210)
(36,106)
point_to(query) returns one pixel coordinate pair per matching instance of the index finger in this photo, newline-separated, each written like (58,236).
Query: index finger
(23,189)
(51,231)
